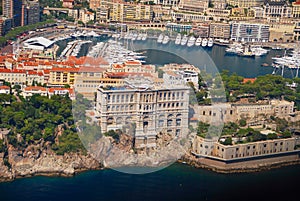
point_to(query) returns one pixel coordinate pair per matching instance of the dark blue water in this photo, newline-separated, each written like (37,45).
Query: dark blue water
(211,59)
(178,182)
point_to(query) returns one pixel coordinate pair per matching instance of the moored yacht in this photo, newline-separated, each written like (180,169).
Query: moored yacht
(165,40)
(160,38)
(198,41)
(184,40)
(191,41)
(204,42)
(178,39)
(210,42)
(144,37)
(139,37)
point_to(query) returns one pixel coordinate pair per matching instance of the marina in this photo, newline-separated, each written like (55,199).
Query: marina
(219,53)
(114,52)
(287,61)
(246,50)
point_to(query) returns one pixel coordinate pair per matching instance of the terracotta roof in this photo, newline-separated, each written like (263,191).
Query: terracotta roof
(30,63)
(133,63)
(46,71)
(117,65)
(12,71)
(245,80)
(35,88)
(64,69)
(52,90)
(4,87)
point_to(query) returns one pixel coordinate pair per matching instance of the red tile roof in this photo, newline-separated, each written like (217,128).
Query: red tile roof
(245,80)
(133,63)
(35,88)
(64,70)
(12,71)
(52,90)
(4,87)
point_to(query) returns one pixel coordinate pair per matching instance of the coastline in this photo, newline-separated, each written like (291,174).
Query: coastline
(255,165)
(80,163)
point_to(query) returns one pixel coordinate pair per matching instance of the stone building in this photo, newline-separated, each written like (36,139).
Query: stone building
(198,6)
(211,148)
(149,108)
(253,112)
(246,3)
(219,30)
(280,9)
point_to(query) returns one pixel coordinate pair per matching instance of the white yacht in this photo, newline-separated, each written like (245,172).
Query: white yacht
(258,50)
(210,42)
(160,38)
(198,41)
(191,41)
(166,39)
(134,36)
(234,48)
(204,42)
(144,37)
(139,37)
(178,39)
(184,40)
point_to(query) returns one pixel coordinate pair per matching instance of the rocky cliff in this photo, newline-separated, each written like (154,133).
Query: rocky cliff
(41,160)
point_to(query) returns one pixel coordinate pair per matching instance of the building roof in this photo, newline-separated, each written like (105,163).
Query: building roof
(275,3)
(132,63)
(64,70)
(39,41)
(245,80)
(4,87)
(35,88)
(53,90)
(12,71)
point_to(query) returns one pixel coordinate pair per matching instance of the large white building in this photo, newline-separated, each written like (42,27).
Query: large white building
(248,32)
(151,109)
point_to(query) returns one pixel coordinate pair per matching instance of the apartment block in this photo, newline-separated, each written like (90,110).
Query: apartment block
(248,32)
(219,30)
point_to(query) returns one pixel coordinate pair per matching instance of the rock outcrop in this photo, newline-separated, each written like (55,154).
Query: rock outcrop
(38,160)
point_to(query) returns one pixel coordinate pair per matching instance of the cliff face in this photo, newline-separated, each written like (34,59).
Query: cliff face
(39,160)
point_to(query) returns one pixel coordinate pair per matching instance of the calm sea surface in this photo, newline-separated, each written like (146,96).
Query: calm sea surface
(177,182)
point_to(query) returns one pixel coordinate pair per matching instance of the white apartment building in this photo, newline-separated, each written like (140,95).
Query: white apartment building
(248,32)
